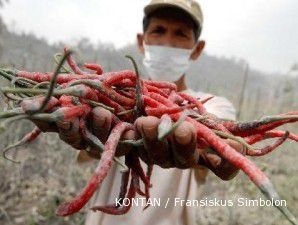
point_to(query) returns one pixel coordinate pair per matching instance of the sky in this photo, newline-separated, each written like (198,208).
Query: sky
(262,32)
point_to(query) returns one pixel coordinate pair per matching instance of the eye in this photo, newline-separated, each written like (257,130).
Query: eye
(158,30)
(181,33)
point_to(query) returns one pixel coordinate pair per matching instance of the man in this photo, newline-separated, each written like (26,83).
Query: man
(170,38)
(169,41)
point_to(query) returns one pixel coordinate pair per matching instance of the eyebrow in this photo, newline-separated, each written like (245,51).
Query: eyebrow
(158,27)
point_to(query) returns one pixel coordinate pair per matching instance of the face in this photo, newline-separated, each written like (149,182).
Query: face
(170,33)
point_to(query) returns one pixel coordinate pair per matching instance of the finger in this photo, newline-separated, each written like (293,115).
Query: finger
(237,146)
(184,146)
(69,133)
(214,160)
(218,165)
(222,168)
(210,158)
(124,149)
(141,150)
(157,151)
(100,123)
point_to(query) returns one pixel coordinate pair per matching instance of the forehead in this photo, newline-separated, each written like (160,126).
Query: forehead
(170,23)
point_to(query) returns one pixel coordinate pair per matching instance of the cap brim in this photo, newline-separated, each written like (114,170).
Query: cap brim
(151,8)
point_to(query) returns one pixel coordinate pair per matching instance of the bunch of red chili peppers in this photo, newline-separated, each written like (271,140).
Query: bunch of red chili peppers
(66,94)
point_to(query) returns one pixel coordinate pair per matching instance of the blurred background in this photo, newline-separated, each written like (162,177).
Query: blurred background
(251,58)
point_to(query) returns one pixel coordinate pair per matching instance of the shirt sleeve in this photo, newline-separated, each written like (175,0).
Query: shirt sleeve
(219,106)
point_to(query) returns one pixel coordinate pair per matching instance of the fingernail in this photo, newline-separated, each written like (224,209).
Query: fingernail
(129,135)
(100,116)
(214,160)
(183,138)
(149,132)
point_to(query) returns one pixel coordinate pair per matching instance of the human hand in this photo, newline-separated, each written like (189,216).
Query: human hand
(220,166)
(178,150)
(99,123)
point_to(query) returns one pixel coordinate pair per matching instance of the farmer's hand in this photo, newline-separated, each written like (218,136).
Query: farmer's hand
(178,152)
(181,150)
(221,167)
(99,124)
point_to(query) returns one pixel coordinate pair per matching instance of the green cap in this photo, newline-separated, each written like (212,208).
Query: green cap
(191,7)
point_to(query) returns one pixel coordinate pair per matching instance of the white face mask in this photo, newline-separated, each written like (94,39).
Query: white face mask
(166,63)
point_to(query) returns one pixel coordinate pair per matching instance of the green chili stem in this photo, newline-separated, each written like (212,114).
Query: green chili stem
(53,83)
(94,104)
(125,112)
(11,113)
(68,91)
(139,108)
(235,138)
(57,59)
(133,143)
(16,79)
(41,84)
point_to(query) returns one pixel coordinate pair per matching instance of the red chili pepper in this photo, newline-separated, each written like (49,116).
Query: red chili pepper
(201,108)
(161,84)
(148,101)
(161,99)
(157,90)
(100,173)
(270,148)
(109,102)
(113,210)
(123,187)
(158,112)
(95,67)
(28,138)
(174,97)
(30,105)
(279,133)
(238,160)
(125,93)
(61,78)
(269,134)
(255,127)
(117,77)
(73,65)
(203,101)
(66,101)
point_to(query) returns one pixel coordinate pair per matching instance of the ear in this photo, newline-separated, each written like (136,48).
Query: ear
(140,40)
(198,50)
